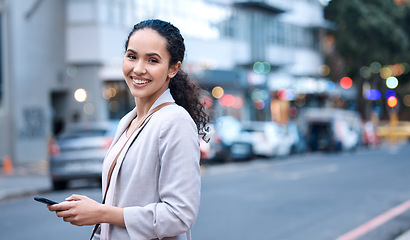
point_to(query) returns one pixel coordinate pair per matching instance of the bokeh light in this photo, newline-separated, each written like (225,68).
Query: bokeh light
(259,94)
(375,67)
(207,101)
(392,82)
(227,100)
(346,82)
(301,100)
(324,70)
(406,100)
(282,94)
(267,67)
(390,93)
(88,108)
(330,86)
(258,67)
(373,94)
(365,72)
(80,95)
(217,92)
(386,72)
(238,103)
(114,106)
(392,101)
(398,69)
(293,111)
(261,67)
(260,104)
(109,92)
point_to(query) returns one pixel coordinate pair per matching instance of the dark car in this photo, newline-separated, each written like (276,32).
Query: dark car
(228,141)
(78,153)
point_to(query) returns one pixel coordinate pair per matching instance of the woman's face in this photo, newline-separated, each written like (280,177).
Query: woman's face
(146,65)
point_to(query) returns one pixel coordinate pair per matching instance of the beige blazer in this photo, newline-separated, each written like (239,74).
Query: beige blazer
(157,178)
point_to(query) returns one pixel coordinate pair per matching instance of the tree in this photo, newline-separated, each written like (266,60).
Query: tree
(370,31)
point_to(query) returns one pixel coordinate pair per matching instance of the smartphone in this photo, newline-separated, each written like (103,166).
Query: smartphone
(45,200)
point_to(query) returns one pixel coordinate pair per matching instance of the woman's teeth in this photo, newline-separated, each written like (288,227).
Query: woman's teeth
(139,81)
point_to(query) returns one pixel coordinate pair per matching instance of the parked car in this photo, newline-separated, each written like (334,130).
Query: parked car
(269,139)
(78,153)
(349,136)
(299,144)
(228,141)
(331,129)
(207,152)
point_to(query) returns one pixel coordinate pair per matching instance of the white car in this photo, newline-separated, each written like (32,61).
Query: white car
(269,139)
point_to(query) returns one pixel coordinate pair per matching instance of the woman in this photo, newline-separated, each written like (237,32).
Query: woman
(154,190)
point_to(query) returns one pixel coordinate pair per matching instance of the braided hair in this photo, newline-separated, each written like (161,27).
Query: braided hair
(185,92)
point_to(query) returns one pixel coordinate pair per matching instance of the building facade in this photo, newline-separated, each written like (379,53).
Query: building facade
(32,68)
(61,60)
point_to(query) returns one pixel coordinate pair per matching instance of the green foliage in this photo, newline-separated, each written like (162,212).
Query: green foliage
(369,31)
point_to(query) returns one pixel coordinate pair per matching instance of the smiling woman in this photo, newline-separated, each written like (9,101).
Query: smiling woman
(151,174)
(146,66)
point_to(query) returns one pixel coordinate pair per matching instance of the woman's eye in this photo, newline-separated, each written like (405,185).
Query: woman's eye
(130,56)
(153,60)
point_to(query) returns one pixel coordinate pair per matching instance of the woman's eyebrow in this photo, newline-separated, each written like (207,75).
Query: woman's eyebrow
(148,54)
(154,54)
(132,51)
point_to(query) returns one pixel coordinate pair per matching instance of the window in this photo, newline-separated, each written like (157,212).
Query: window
(119,99)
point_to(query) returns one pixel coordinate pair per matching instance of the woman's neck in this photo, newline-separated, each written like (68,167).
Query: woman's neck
(142,107)
(144,104)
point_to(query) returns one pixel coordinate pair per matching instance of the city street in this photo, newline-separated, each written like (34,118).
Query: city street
(319,196)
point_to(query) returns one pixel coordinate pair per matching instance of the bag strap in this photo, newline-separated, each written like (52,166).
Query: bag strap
(110,171)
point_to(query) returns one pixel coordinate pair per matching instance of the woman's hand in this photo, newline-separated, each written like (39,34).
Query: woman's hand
(78,210)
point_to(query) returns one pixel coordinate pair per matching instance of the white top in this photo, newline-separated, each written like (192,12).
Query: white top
(116,148)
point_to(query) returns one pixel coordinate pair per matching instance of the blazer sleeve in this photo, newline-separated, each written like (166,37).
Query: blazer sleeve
(178,186)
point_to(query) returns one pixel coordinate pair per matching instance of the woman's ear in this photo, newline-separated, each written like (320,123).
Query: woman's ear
(173,70)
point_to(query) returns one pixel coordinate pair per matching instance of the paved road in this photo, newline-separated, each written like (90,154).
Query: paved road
(320,196)
(317,196)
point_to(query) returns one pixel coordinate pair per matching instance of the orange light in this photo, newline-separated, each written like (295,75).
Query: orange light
(346,82)
(392,101)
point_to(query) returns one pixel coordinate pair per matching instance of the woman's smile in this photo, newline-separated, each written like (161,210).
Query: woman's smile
(140,82)
(146,65)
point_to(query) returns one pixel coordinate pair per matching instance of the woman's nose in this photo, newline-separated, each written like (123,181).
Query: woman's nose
(139,68)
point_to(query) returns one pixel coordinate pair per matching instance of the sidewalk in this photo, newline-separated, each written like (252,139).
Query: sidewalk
(25,179)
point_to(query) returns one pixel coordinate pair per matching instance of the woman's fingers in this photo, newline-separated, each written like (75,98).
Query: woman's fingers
(78,210)
(75,197)
(59,207)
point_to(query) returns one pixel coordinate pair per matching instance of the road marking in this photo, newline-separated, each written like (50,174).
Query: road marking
(376,222)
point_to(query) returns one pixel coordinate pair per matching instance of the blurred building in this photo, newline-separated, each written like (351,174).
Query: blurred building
(32,70)
(61,60)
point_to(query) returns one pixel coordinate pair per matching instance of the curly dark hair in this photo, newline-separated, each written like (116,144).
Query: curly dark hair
(185,91)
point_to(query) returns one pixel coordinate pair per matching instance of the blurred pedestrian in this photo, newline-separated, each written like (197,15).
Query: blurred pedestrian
(151,173)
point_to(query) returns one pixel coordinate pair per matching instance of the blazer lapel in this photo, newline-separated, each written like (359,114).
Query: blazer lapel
(122,126)
(165,97)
